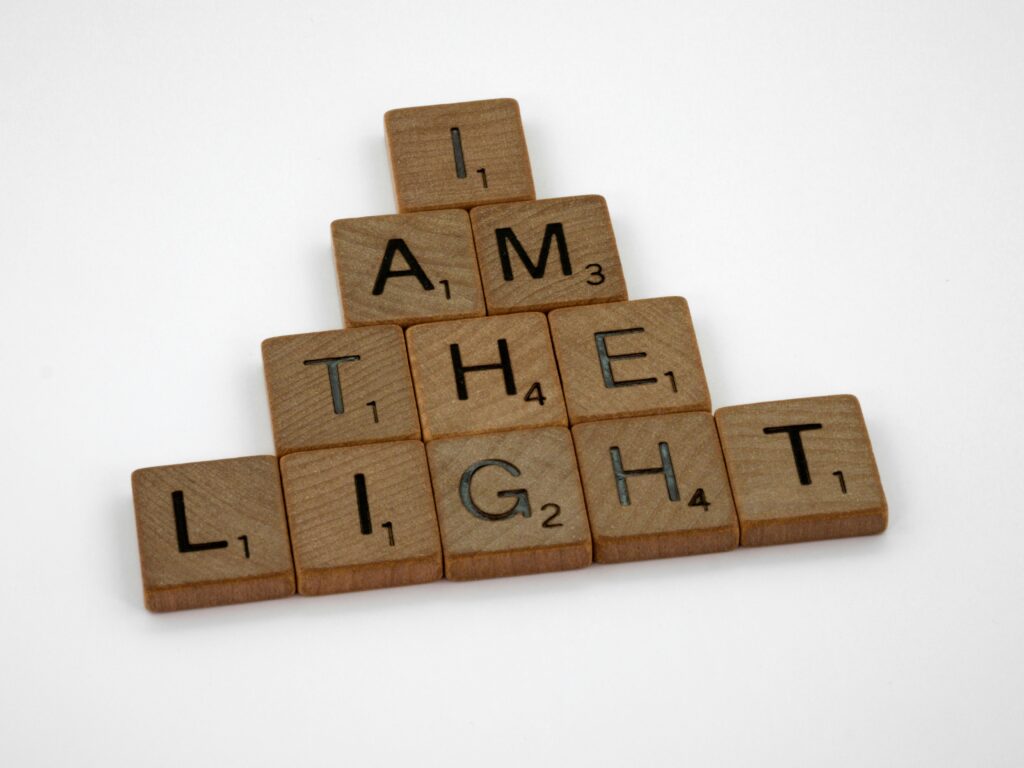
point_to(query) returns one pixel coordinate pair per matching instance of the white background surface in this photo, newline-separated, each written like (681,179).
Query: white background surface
(838,190)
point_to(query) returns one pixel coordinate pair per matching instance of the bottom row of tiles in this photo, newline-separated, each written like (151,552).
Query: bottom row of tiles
(506,503)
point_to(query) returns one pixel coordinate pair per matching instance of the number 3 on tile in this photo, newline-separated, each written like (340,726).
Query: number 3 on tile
(535,394)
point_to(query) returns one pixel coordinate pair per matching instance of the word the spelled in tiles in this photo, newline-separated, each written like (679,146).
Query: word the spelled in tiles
(563,423)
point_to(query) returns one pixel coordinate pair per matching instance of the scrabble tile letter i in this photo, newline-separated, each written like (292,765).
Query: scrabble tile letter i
(458,155)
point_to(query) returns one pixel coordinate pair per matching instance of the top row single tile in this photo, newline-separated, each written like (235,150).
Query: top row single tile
(458,155)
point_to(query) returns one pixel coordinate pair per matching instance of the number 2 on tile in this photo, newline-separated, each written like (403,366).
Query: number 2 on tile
(549,520)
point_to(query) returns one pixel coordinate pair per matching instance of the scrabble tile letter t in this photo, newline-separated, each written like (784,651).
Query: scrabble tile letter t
(801,470)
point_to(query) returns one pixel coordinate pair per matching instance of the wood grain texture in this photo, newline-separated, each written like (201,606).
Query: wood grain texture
(407,268)
(642,341)
(310,411)
(573,233)
(681,504)
(424,162)
(781,498)
(190,519)
(493,400)
(340,547)
(530,481)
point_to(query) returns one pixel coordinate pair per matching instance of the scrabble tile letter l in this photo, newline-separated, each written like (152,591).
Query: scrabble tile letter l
(458,155)
(802,470)
(212,533)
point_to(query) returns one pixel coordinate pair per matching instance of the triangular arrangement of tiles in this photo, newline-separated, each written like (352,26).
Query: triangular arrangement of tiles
(494,406)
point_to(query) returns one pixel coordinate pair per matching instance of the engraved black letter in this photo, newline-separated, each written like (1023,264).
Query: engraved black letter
(397,245)
(797,444)
(665,469)
(606,359)
(332,364)
(554,231)
(460,161)
(181,526)
(461,370)
(522,505)
(363,504)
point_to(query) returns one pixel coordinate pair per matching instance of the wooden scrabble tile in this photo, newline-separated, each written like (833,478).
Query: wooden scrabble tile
(485,375)
(802,470)
(405,269)
(212,533)
(458,155)
(339,388)
(631,358)
(509,503)
(656,486)
(361,517)
(545,254)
